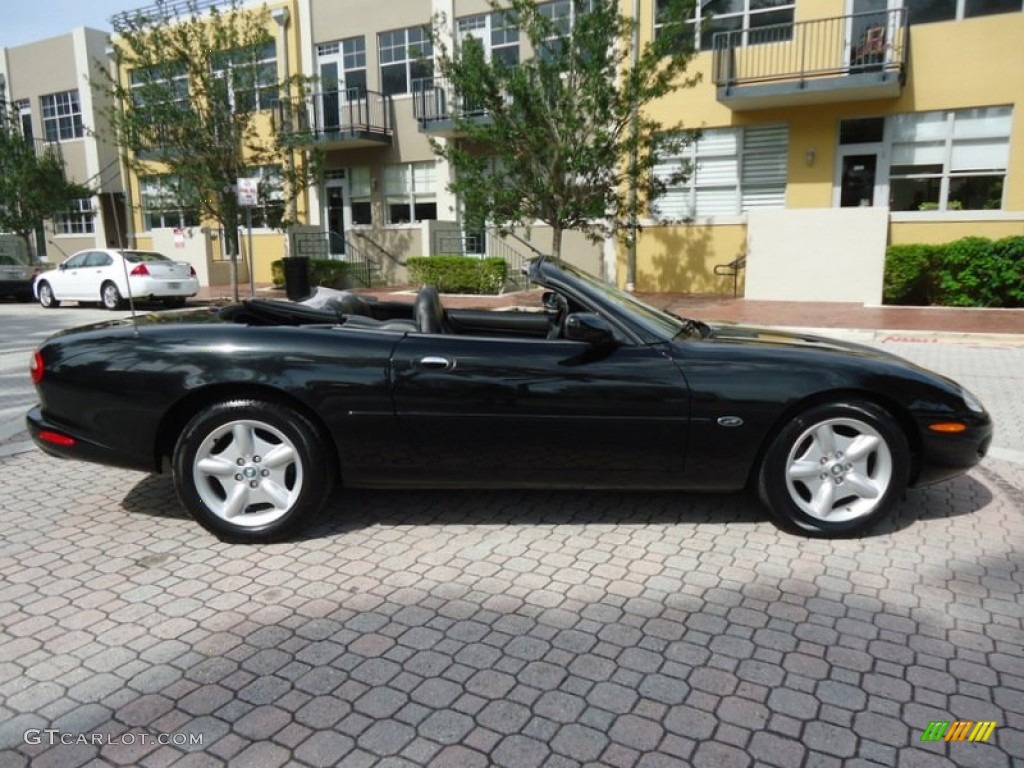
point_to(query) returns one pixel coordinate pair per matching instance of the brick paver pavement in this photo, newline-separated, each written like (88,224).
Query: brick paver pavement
(510,629)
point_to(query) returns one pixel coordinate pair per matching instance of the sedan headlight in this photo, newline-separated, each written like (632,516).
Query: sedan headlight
(971,401)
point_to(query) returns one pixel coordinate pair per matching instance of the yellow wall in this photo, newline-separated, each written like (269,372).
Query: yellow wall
(682,259)
(901,233)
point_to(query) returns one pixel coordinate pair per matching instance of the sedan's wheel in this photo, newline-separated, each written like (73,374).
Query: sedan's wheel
(46,297)
(110,296)
(836,469)
(249,470)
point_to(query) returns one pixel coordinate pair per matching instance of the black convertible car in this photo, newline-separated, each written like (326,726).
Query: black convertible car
(261,407)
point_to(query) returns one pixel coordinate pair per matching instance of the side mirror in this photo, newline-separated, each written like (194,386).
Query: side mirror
(63,265)
(589,328)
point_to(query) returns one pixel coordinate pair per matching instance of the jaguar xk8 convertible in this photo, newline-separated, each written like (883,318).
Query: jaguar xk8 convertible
(260,408)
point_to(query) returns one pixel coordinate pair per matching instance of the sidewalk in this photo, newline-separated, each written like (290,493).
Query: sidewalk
(797,314)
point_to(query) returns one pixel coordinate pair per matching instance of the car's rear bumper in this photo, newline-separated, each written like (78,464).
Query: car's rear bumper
(151,286)
(21,287)
(80,448)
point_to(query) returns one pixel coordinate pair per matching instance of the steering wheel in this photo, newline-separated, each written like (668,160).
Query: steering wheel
(556,306)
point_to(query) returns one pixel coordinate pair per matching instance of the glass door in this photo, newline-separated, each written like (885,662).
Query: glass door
(332,87)
(335,216)
(868,34)
(862,172)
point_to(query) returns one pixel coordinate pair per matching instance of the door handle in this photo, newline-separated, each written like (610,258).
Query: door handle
(436,363)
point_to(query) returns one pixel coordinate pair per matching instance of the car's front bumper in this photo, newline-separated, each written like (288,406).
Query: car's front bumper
(947,455)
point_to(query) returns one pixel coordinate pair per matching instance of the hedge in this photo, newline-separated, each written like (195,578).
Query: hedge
(459,274)
(970,272)
(326,272)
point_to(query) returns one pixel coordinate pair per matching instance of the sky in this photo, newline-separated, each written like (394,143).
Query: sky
(25,21)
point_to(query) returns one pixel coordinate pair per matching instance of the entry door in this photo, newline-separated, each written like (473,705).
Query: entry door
(335,216)
(332,83)
(862,172)
(869,34)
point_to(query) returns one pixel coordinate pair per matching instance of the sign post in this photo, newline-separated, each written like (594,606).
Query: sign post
(249,196)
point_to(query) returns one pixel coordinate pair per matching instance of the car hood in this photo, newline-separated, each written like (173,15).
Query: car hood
(774,337)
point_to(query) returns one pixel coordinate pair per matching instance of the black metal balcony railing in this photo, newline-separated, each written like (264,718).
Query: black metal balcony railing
(436,101)
(339,116)
(862,43)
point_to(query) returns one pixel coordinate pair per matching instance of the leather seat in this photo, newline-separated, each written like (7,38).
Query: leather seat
(428,311)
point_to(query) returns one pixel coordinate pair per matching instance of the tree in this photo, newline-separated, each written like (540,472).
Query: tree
(562,136)
(32,182)
(192,99)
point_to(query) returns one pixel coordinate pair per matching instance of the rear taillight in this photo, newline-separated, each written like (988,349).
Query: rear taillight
(140,271)
(56,438)
(192,271)
(35,367)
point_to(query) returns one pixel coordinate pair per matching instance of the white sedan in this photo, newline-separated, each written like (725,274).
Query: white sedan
(112,276)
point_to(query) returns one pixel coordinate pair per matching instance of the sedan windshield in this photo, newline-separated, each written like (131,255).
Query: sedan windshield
(134,257)
(653,320)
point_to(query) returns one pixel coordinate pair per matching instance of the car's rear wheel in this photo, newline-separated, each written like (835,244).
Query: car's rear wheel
(46,298)
(110,296)
(249,470)
(836,469)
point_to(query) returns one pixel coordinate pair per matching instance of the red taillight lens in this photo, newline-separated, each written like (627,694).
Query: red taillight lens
(140,271)
(56,438)
(35,367)
(192,271)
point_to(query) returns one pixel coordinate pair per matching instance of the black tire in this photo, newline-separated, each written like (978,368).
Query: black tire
(835,469)
(262,498)
(46,298)
(110,297)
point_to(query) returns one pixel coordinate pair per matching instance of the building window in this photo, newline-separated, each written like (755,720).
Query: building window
(79,219)
(405,60)
(352,53)
(24,109)
(733,170)
(62,116)
(562,14)
(165,204)
(751,22)
(269,212)
(359,187)
(949,160)
(155,84)
(926,11)
(249,77)
(410,192)
(496,33)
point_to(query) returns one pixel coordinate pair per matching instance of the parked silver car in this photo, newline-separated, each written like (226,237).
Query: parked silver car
(17,274)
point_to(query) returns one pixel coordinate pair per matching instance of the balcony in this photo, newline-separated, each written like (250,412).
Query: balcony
(339,120)
(846,58)
(436,106)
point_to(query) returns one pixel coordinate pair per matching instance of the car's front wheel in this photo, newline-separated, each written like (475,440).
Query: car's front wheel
(110,296)
(46,298)
(836,469)
(249,470)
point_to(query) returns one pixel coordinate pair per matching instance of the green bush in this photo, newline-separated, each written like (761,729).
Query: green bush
(970,272)
(326,272)
(459,274)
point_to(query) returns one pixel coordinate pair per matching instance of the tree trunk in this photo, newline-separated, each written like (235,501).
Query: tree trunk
(556,243)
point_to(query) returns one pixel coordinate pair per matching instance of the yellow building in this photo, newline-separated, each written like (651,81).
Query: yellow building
(165,222)
(831,128)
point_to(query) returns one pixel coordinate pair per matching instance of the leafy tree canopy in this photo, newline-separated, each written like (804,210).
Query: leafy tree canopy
(198,107)
(562,136)
(32,182)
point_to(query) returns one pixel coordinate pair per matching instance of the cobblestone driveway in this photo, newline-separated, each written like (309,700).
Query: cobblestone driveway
(510,629)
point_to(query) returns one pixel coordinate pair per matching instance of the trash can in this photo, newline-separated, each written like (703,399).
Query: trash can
(296,277)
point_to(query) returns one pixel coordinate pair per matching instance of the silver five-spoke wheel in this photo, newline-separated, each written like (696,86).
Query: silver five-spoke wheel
(248,473)
(249,470)
(836,468)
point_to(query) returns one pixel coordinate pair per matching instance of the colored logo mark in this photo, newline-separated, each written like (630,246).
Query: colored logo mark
(958,730)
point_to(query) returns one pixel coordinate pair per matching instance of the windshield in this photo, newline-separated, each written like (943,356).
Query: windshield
(134,257)
(653,320)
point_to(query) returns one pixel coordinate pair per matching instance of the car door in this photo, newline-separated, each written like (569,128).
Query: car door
(66,280)
(540,411)
(97,270)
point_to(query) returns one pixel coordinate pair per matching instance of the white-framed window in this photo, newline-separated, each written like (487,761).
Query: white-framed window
(352,52)
(949,160)
(79,219)
(927,11)
(270,210)
(170,78)
(410,192)
(562,14)
(360,188)
(756,21)
(62,116)
(164,204)
(496,33)
(733,170)
(406,65)
(24,109)
(250,76)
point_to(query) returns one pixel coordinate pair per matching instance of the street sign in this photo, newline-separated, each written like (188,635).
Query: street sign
(248,192)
